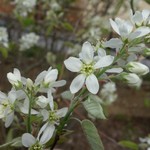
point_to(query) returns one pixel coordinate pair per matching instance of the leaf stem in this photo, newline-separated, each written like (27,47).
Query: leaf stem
(29,115)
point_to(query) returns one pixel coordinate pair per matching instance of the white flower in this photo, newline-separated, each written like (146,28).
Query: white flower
(7,107)
(24,108)
(108,92)
(42,101)
(52,118)
(132,79)
(137,68)
(141,18)
(146,141)
(3,36)
(47,80)
(33,143)
(23,7)
(15,77)
(28,40)
(125,28)
(86,66)
(55,6)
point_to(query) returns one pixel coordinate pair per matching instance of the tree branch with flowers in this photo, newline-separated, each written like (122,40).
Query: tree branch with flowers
(34,101)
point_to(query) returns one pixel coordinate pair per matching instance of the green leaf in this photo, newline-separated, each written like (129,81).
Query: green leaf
(14,143)
(147,102)
(92,135)
(94,108)
(9,136)
(67,26)
(148,1)
(67,95)
(129,144)
(17,142)
(4,51)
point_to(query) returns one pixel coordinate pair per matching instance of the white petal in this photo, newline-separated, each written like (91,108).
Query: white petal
(12,96)
(145,13)
(92,84)
(50,99)
(47,134)
(113,43)
(12,78)
(62,112)
(9,119)
(51,75)
(139,32)
(87,53)
(40,77)
(2,96)
(101,52)
(28,140)
(42,130)
(77,83)
(73,64)
(114,26)
(45,114)
(25,108)
(104,62)
(20,95)
(114,70)
(17,74)
(59,83)
(42,101)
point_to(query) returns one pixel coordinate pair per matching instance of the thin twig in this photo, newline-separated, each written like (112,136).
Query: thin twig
(132,5)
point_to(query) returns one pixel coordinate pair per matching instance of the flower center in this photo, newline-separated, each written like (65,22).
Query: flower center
(53,117)
(87,69)
(6,104)
(36,146)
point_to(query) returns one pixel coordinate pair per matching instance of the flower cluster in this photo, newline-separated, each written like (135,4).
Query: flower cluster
(145,142)
(95,67)
(132,43)
(28,40)
(3,37)
(108,93)
(28,96)
(23,7)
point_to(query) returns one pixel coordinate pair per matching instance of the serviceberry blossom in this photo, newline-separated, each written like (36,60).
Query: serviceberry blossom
(146,141)
(52,118)
(86,65)
(29,141)
(15,78)
(108,92)
(7,106)
(23,7)
(125,29)
(46,80)
(28,40)
(141,18)
(3,37)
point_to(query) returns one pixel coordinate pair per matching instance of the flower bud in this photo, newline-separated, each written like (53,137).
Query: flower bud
(29,83)
(137,68)
(132,79)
